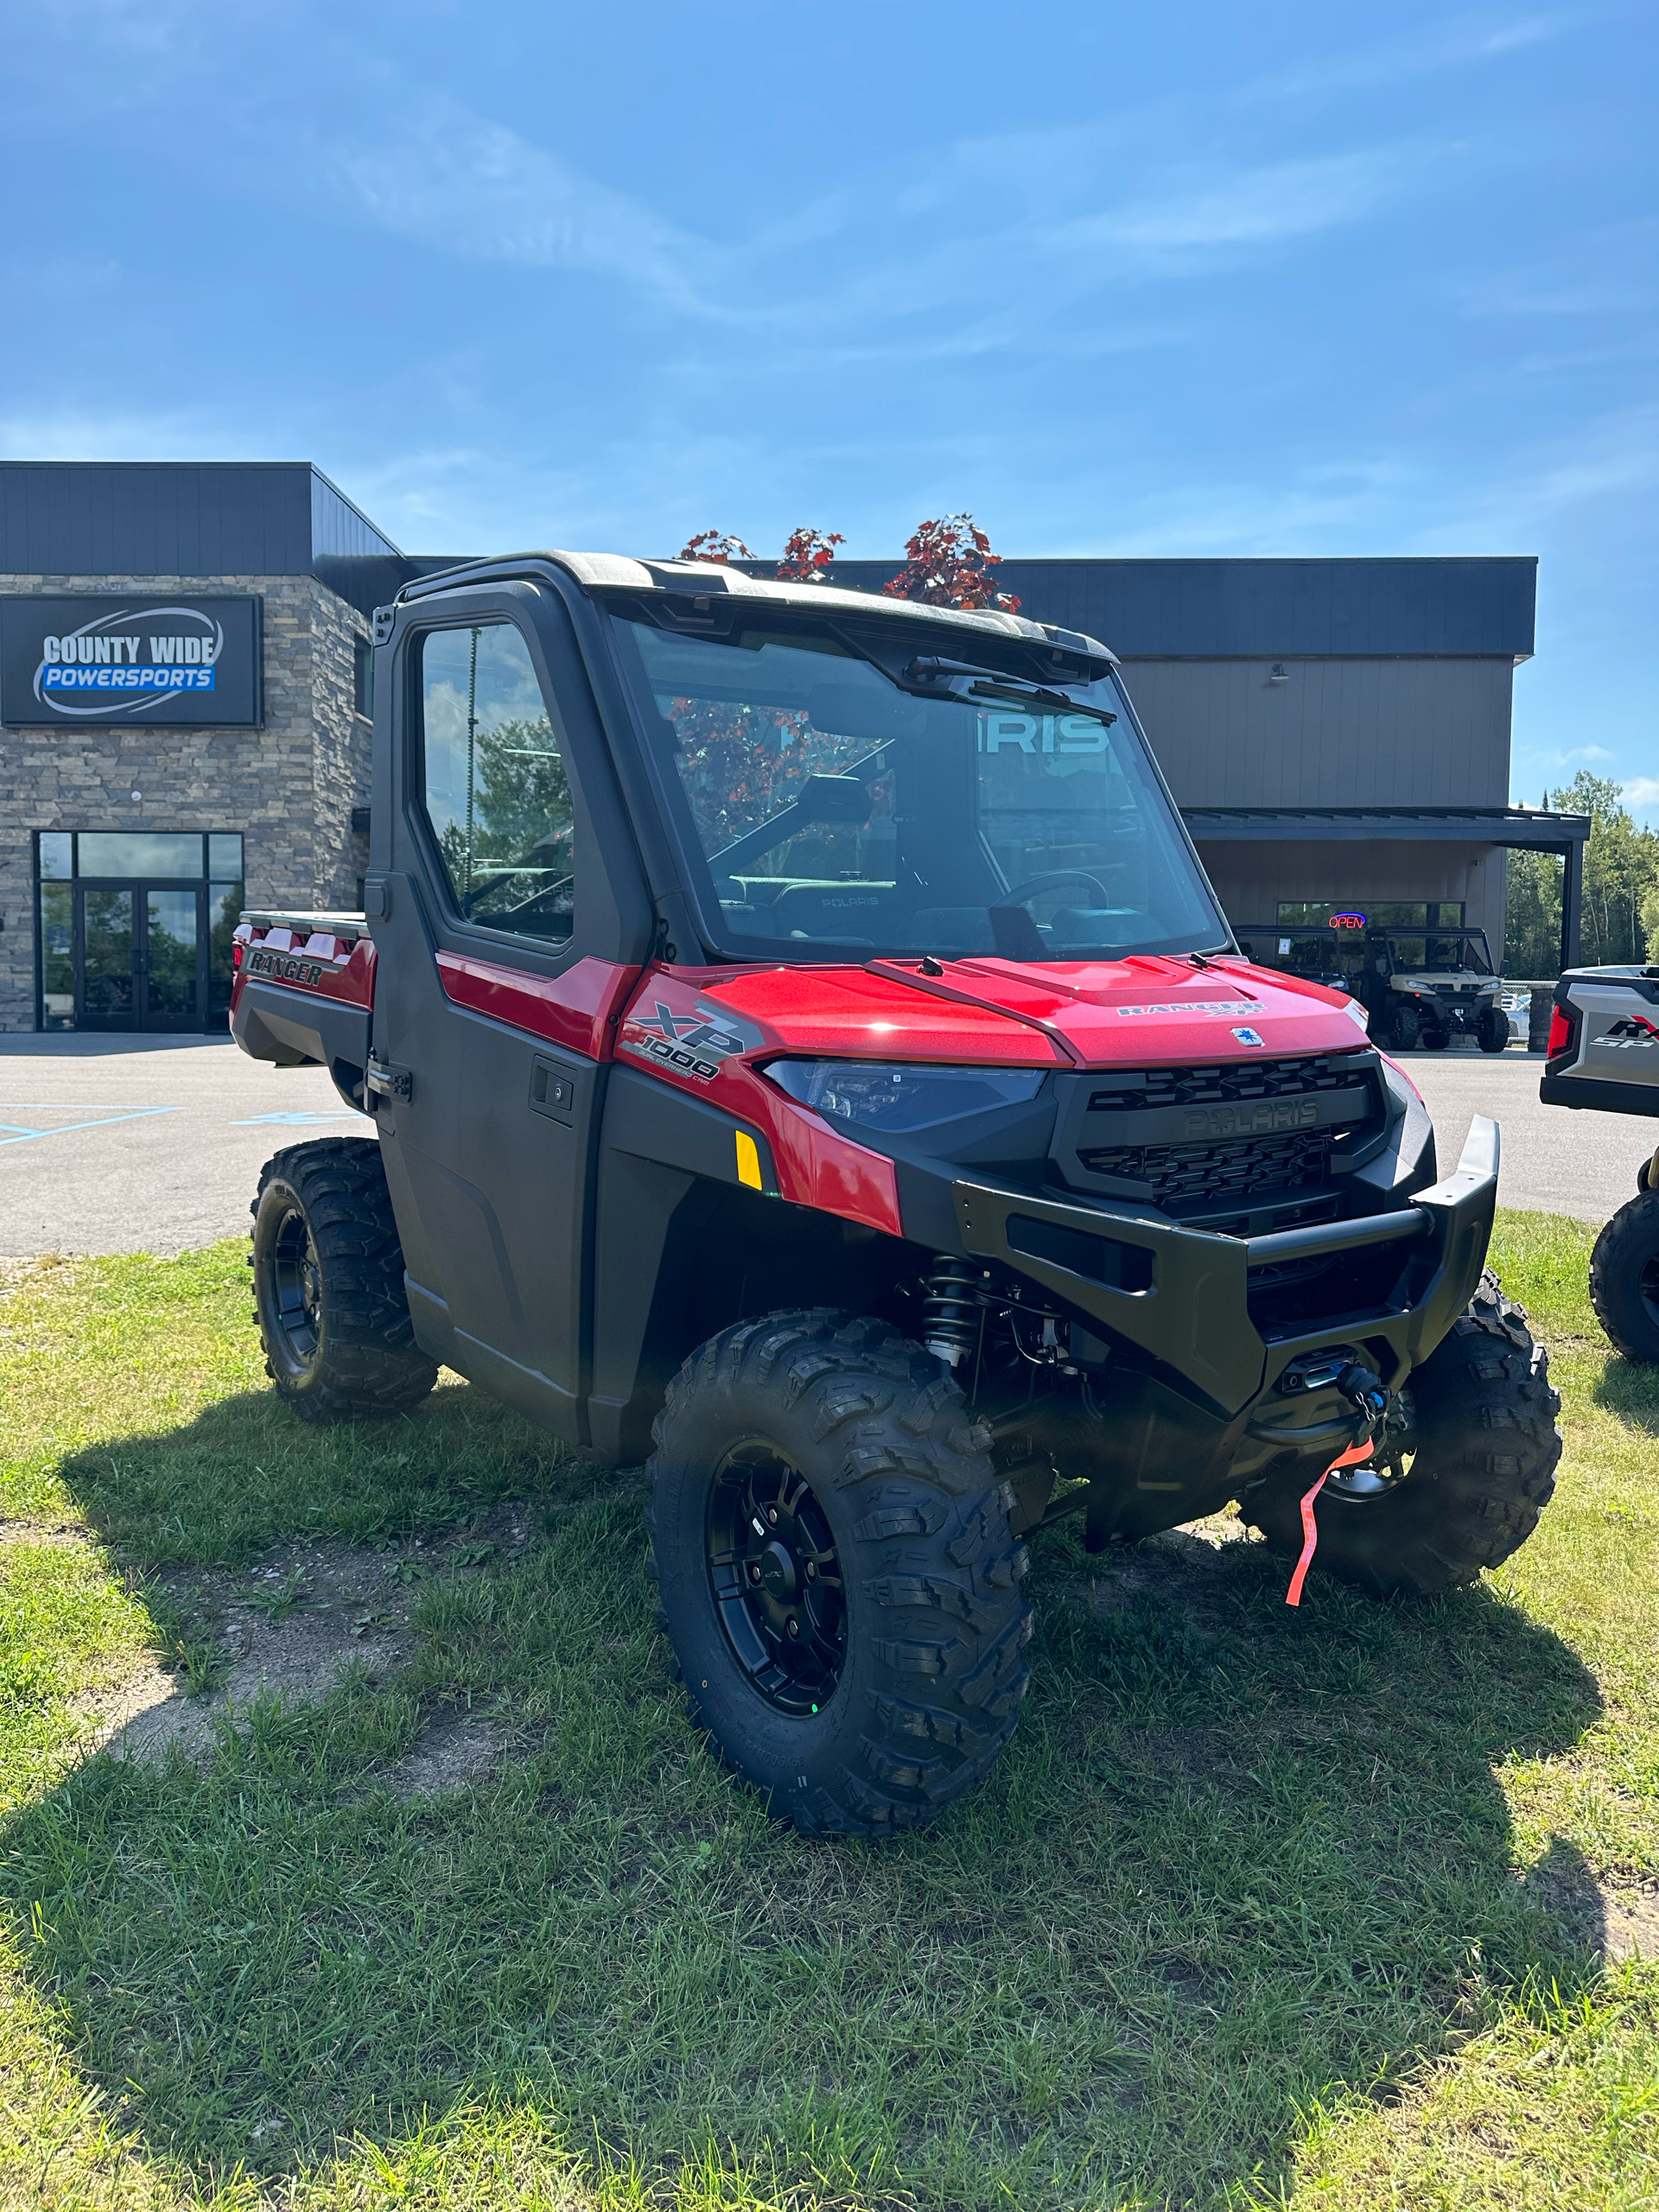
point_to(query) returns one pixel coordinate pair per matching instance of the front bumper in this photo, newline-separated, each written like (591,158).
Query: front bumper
(1461,1016)
(1199,1410)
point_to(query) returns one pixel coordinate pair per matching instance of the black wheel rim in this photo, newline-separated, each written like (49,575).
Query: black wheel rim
(776,1579)
(1388,1466)
(296,1288)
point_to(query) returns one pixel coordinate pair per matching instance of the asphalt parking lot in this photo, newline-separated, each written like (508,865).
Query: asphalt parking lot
(1553,1160)
(119,1144)
(143,1144)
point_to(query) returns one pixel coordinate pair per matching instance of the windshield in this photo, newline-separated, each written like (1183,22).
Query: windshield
(834,816)
(1319,956)
(1442,952)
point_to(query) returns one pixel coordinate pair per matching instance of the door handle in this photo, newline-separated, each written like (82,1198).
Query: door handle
(387,1080)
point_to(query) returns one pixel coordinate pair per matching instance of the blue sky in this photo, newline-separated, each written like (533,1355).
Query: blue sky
(1288,279)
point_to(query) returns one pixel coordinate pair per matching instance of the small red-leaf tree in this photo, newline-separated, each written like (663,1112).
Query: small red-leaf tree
(714,545)
(807,555)
(949,564)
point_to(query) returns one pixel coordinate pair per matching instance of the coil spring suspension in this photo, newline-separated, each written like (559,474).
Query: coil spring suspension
(950,1310)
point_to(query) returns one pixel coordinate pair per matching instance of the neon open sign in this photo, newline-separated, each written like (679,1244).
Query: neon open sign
(1347,921)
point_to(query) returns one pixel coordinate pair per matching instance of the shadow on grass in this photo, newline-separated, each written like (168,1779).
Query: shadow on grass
(1236,1856)
(1630,1390)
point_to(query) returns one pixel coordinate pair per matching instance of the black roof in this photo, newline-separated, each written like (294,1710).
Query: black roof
(192,518)
(282,518)
(1513,826)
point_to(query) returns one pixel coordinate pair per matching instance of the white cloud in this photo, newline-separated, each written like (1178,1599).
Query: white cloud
(1248,208)
(1641,791)
(1458,43)
(452,179)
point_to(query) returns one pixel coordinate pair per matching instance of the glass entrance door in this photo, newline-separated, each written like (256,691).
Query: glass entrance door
(172,966)
(142,957)
(108,964)
(131,936)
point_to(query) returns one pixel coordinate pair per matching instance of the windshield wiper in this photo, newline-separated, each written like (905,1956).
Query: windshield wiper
(956,679)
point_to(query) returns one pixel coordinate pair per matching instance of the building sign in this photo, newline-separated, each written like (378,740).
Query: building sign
(108,659)
(1346,922)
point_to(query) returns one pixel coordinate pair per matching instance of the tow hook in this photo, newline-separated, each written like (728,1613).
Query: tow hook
(1364,1393)
(1370,1401)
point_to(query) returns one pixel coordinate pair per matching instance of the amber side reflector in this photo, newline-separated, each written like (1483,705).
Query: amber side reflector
(748,1161)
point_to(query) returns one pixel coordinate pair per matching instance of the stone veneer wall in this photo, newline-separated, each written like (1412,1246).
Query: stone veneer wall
(288,787)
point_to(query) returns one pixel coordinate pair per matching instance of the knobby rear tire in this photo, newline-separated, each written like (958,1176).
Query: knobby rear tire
(933,1635)
(328,1285)
(1492,1032)
(1624,1278)
(1485,1468)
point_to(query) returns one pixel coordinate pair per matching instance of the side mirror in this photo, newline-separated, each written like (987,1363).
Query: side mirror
(835,798)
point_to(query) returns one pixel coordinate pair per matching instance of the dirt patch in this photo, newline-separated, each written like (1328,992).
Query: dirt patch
(288,1627)
(15,1275)
(453,1750)
(1603,1917)
(1189,1567)
(64,1535)
(1193,1753)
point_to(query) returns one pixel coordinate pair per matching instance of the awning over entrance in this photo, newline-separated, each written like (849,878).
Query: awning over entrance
(1526,828)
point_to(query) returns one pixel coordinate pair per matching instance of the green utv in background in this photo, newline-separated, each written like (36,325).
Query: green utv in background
(1420,987)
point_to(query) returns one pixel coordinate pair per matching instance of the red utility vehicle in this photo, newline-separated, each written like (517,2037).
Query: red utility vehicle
(798,1034)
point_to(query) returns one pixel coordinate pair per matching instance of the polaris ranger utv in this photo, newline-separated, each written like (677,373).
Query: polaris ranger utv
(1604,1053)
(799,1038)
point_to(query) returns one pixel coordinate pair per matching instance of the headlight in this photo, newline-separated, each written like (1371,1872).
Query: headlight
(883,1096)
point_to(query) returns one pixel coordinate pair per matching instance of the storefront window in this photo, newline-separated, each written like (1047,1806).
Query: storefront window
(130,852)
(136,952)
(1373,914)
(57,954)
(224,911)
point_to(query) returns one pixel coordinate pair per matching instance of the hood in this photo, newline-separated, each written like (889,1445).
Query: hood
(1139,1011)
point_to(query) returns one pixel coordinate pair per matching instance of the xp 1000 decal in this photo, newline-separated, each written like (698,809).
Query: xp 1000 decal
(694,1042)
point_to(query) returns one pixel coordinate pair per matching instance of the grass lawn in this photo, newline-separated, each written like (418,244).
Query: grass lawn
(1261,1907)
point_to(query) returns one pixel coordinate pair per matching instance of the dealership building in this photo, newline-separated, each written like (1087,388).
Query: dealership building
(185,693)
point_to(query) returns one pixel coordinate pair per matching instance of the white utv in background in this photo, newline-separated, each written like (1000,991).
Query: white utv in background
(1604,1053)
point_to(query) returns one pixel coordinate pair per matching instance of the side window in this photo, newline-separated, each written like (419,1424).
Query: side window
(493,782)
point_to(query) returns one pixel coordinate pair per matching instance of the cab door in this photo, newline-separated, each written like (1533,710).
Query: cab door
(509,925)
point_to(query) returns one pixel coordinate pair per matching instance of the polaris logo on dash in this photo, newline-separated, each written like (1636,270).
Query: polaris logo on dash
(110,655)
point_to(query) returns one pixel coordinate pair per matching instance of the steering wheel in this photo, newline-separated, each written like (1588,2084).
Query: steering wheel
(1023,893)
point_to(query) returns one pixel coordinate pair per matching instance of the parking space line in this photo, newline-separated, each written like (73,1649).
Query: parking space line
(298,1120)
(69,1129)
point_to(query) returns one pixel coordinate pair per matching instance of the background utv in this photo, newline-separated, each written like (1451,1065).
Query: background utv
(803,1046)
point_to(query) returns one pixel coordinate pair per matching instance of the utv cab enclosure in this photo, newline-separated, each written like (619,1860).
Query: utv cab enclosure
(800,1044)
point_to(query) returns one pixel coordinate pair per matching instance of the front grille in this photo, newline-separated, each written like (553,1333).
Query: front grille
(1239,1080)
(1245,1146)
(1183,1178)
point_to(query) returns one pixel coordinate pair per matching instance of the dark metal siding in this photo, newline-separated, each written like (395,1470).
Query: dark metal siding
(1276,609)
(1342,732)
(154,518)
(348,553)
